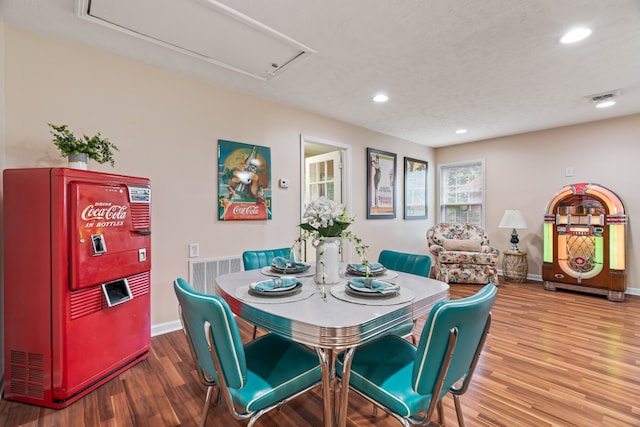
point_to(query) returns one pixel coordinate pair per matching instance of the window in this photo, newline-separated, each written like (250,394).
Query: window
(462,192)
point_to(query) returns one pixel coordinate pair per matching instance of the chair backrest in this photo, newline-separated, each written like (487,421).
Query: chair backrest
(468,318)
(419,265)
(253,260)
(458,231)
(199,310)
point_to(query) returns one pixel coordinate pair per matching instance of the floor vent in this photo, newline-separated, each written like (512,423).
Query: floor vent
(203,272)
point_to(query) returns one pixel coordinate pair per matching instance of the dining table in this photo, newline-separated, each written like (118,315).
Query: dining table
(329,317)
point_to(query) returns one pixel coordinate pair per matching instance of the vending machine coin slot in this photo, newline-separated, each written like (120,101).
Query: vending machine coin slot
(142,255)
(99,247)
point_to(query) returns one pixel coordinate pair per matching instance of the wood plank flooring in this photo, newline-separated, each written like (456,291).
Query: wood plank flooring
(551,359)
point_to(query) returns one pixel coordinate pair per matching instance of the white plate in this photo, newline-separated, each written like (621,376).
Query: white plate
(372,273)
(277,292)
(367,292)
(290,270)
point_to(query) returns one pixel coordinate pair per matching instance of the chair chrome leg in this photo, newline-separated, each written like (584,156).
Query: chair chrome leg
(207,403)
(456,400)
(440,413)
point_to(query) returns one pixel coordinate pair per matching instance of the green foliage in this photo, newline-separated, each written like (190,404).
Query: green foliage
(334,230)
(95,147)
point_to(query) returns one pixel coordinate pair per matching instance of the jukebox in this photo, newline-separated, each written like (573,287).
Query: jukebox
(584,241)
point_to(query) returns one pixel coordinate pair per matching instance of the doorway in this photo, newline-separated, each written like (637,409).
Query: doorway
(325,168)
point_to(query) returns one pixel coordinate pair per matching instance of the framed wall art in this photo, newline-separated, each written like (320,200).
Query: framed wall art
(415,188)
(244,181)
(381,184)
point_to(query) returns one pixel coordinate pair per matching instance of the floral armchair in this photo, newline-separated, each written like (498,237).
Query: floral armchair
(462,254)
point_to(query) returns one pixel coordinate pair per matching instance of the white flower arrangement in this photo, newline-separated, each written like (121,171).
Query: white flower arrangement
(327,218)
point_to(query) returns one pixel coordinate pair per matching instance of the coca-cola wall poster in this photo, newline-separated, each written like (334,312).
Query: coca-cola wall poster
(244,181)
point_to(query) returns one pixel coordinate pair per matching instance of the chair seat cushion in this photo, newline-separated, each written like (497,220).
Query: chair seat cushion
(267,382)
(401,330)
(383,371)
(461,257)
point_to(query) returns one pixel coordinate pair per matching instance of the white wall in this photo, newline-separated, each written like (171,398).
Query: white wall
(167,126)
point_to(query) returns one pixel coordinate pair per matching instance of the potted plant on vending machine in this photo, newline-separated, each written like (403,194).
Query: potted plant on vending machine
(78,150)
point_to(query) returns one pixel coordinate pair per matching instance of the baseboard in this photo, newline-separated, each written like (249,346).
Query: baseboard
(533,277)
(164,328)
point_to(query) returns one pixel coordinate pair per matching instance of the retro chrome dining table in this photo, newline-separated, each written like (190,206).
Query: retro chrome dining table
(329,319)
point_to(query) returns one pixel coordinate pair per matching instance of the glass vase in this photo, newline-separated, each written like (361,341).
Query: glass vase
(327,260)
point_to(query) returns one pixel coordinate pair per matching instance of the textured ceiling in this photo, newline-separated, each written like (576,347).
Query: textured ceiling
(494,67)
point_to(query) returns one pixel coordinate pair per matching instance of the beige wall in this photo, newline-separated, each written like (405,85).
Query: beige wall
(167,126)
(524,171)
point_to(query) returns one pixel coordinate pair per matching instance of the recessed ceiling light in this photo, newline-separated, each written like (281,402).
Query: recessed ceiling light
(381,98)
(575,35)
(460,131)
(605,103)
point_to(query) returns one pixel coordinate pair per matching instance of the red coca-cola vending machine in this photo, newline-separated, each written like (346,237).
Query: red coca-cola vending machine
(77,248)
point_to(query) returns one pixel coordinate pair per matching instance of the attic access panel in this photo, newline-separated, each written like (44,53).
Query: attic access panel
(204,29)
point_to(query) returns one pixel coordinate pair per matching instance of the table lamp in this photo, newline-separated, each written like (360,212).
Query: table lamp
(513,219)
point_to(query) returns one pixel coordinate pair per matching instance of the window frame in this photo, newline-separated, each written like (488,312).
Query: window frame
(442,188)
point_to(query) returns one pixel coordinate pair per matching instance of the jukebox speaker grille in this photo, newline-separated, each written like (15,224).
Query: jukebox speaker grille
(581,251)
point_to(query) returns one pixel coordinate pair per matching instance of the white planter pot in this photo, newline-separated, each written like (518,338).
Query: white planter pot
(78,161)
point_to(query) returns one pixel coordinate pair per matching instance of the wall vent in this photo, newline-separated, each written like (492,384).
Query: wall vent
(203,272)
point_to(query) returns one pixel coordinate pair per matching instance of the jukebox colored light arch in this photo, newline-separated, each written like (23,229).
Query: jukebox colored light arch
(615,219)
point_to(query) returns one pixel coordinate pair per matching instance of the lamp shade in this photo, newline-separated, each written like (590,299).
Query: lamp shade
(512,218)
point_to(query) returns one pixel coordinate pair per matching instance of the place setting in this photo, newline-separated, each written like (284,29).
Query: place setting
(282,267)
(372,291)
(275,290)
(375,270)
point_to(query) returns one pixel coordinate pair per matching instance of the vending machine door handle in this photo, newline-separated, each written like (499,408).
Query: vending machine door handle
(143,232)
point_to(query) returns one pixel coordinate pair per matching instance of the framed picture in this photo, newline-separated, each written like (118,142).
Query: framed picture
(244,181)
(381,184)
(415,188)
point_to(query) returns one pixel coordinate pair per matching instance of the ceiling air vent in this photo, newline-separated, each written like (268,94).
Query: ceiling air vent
(605,99)
(203,29)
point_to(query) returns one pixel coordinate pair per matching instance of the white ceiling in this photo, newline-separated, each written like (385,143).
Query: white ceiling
(494,67)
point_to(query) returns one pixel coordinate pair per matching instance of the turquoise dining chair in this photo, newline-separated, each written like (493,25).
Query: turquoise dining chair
(420,265)
(254,260)
(253,378)
(409,382)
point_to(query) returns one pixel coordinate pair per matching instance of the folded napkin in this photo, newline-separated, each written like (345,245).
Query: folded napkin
(362,268)
(371,285)
(284,263)
(275,285)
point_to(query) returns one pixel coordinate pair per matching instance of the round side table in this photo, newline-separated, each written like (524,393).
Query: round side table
(515,266)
